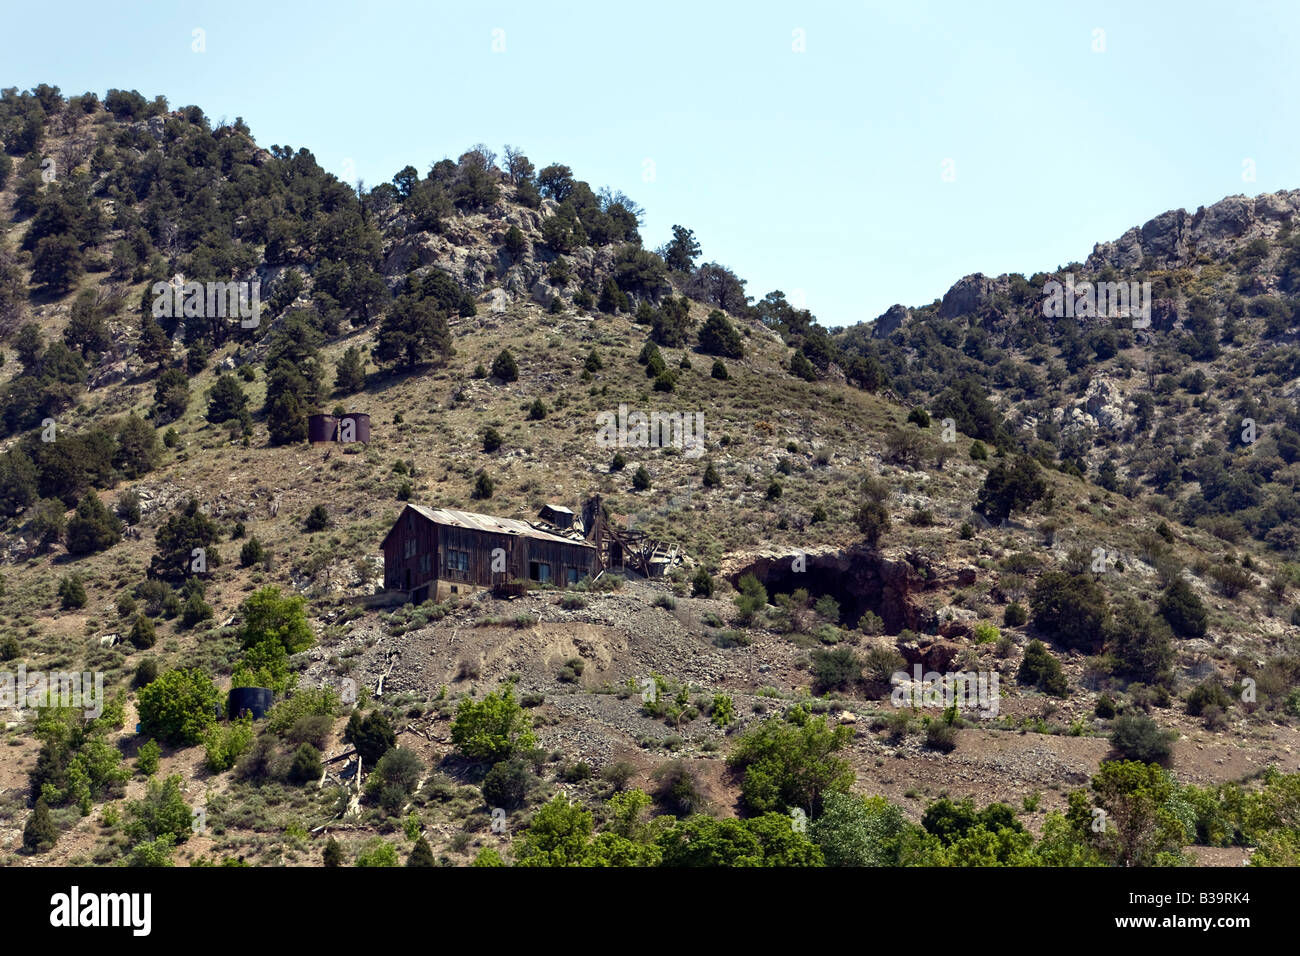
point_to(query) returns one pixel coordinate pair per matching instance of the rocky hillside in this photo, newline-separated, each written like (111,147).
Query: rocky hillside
(968,486)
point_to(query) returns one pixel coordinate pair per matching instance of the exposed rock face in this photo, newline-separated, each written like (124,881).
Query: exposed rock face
(1164,314)
(966,296)
(890,322)
(861,580)
(1175,238)
(931,654)
(1105,403)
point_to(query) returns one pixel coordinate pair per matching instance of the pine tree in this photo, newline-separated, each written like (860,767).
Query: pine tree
(287,420)
(93,528)
(413,332)
(421,854)
(504,367)
(226,399)
(350,372)
(719,337)
(72,593)
(39,834)
(142,633)
(333,855)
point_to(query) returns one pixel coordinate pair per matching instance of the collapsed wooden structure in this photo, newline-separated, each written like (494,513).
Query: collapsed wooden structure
(620,548)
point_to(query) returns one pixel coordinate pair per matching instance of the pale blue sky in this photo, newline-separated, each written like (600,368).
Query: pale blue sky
(818,171)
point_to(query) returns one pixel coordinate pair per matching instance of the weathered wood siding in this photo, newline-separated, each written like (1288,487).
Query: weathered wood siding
(403,568)
(463,556)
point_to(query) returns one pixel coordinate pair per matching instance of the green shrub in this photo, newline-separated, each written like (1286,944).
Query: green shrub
(145,672)
(492,729)
(834,669)
(372,735)
(39,833)
(702,583)
(871,624)
(397,772)
(507,784)
(333,855)
(751,599)
(1140,642)
(142,634)
(251,553)
(1138,737)
(1182,609)
(941,736)
(1208,693)
(318,519)
(147,757)
(1072,608)
(678,789)
(1015,615)
(1038,668)
(72,593)
(179,706)
(791,763)
(827,608)
(504,367)
(377,852)
(225,745)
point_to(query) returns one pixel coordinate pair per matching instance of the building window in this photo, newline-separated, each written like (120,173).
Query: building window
(539,571)
(457,560)
(573,575)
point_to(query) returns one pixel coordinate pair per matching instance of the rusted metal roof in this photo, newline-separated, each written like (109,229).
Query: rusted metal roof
(491,523)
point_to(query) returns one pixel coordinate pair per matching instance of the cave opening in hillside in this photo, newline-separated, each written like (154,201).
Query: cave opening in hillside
(858,579)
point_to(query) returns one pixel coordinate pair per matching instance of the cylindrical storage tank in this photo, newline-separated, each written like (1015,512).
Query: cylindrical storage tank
(321,427)
(255,700)
(355,426)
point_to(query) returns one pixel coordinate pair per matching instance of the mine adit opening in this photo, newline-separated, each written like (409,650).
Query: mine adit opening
(859,578)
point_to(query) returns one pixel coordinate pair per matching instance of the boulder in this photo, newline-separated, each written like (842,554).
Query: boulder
(890,322)
(966,296)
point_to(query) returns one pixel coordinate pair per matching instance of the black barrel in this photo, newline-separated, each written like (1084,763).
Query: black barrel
(254,700)
(359,430)
(321,428)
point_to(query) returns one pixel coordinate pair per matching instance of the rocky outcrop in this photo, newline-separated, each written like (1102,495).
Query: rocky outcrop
(890,322)
(931,654)
(1175,238)
(1105,404)
(966,296)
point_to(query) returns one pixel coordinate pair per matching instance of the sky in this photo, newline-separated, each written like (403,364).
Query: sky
(852,155)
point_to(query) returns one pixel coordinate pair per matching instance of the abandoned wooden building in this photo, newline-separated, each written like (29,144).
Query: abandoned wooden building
(435,552)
